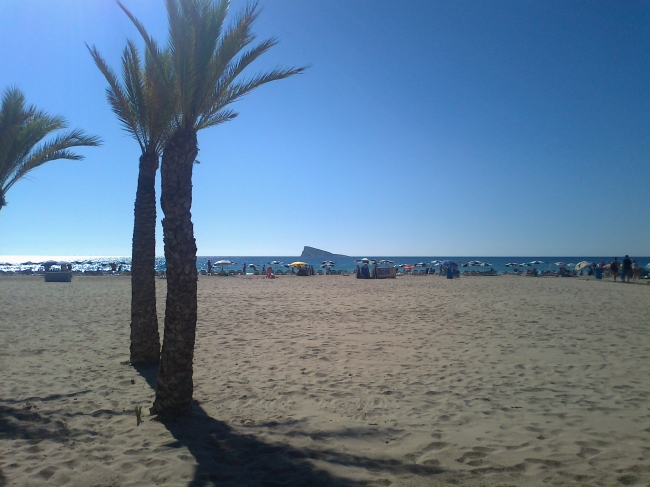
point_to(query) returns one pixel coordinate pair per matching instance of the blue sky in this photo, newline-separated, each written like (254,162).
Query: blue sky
(422,128)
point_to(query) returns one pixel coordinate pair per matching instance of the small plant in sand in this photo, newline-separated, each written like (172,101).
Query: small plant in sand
(138,414)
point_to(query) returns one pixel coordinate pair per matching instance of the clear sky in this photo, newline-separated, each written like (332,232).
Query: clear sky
(422,128)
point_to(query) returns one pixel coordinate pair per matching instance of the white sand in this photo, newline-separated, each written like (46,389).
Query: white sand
(329,380)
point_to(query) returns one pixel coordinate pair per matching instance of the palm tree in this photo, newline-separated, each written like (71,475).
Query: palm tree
(207,61)
(22,130)
(145,113)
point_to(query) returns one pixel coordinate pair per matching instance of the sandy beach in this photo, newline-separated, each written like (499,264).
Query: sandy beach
(330,380)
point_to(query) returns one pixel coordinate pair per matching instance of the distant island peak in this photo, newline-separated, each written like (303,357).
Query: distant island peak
(314,252)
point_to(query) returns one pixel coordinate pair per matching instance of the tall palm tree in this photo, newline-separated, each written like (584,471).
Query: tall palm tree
(145,112)
(22,130)
(207,63)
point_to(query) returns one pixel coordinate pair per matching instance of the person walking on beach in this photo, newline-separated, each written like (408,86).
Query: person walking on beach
(209,267)
(635,271)
(613,267)
(627,269)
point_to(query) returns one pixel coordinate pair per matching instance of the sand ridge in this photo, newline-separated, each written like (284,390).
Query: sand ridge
(329,380)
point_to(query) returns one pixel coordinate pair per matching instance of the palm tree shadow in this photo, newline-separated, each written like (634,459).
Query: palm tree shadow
(225,457)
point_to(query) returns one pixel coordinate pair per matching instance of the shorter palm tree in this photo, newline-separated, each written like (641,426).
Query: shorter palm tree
(22,129)
(140,104)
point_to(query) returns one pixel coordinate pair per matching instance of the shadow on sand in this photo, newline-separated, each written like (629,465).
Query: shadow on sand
(225,457)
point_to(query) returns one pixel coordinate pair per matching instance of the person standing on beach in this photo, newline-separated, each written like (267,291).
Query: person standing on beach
(613,267)
(635,271)
(209,267)
(627,269)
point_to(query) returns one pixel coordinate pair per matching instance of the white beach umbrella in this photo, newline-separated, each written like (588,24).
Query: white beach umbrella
(223,263)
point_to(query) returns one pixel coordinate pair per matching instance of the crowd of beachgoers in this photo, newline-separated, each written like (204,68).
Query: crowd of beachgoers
(626,270)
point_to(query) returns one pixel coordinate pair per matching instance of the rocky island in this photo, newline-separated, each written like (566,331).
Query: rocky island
(313,252)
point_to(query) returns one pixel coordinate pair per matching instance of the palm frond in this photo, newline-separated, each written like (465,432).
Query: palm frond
(218,118)
(22,130)
(58,148)
(141,102)
(118,99)
(205,59)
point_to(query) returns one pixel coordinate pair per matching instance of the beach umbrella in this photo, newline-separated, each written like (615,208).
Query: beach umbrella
(449,263)
(223,263)
(421,264)
(536,262)
(435,262)
(560,264)
(582,265)
(298,264)
(647,266)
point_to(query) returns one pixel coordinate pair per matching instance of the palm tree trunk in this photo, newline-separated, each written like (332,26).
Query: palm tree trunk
(174,388)
(145,339)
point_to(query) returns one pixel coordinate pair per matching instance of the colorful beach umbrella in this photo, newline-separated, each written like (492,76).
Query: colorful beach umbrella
(298,264)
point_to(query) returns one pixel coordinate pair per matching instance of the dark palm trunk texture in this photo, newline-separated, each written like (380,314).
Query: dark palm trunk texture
(145,339)
(175,387)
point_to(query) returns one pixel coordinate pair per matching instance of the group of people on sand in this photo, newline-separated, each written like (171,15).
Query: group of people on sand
(628,269)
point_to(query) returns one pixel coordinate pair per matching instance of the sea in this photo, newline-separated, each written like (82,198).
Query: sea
(80,263)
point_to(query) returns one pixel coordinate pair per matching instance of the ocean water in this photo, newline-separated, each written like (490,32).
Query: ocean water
(94,263)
